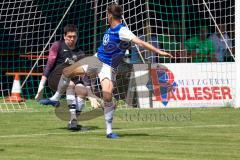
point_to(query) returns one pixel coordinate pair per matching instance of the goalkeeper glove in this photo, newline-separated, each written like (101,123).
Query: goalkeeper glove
(40,88)
(95,102)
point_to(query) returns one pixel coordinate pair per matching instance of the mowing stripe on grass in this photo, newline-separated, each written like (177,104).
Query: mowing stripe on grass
(119,130)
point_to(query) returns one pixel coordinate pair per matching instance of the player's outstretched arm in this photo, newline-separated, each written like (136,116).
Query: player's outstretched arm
(150,47)
(40,88)
(53,52)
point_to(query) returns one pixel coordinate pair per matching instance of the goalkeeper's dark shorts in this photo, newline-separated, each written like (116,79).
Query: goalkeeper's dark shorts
(56,74)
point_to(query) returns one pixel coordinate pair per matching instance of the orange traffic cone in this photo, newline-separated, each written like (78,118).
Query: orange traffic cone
(16,91)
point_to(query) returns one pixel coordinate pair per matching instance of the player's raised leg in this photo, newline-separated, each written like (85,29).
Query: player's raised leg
(68,73)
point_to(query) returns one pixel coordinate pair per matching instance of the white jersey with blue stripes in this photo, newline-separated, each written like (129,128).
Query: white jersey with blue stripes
(115,43)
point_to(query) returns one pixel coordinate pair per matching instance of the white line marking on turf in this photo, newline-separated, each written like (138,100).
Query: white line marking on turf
(117,130)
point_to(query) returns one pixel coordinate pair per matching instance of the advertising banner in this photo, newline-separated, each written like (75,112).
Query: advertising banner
(190,85)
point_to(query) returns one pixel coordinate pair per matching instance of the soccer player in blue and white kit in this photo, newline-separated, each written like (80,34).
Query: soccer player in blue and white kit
(104,63)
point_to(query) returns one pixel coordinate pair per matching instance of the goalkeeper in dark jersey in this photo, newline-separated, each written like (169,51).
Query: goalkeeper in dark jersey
(63,53)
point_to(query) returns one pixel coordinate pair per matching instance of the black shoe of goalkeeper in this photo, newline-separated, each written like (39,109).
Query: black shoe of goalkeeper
(49,102)
(73,125)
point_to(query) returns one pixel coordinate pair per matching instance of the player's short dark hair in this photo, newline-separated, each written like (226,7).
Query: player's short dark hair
(70,28)
(116,11)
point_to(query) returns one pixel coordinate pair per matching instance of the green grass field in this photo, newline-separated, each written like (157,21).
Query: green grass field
(187,134)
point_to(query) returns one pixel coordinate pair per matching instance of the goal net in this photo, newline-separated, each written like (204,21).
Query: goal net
(198,33)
